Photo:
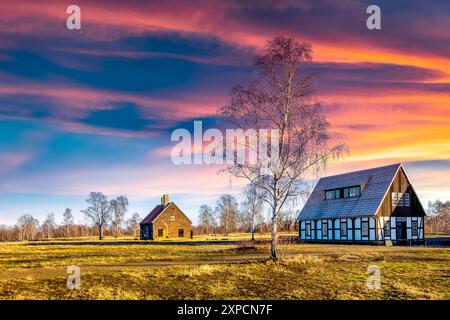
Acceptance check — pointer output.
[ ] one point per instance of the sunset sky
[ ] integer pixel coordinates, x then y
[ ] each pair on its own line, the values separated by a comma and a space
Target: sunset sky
93, 109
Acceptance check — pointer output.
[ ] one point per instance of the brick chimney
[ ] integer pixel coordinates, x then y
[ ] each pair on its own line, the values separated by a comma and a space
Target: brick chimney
165, 199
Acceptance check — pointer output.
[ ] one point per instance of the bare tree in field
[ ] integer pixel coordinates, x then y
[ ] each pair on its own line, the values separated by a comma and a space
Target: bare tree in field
253, 204
438, 219
67, 221
133, 224
27, 227
227, 211
206, 218
99, 211
282, 100
119, 207
48, 226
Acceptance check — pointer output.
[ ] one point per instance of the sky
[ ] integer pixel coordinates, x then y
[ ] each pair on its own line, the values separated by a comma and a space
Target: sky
93, 109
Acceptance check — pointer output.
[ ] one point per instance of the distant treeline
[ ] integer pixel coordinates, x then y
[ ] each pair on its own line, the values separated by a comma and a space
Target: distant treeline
228, 216
438, 218
103, 217
29, 228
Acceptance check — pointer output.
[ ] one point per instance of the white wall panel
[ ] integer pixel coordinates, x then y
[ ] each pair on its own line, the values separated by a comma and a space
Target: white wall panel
371, 222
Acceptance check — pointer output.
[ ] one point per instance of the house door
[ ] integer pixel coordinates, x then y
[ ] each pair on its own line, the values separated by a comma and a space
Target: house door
401, 230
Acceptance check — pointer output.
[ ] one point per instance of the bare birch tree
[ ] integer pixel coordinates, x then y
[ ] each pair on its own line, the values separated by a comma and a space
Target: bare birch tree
282, 100
206, 218
99, 211
253, 204
119, 207
27, 227
67, 221
133, 224
48, 227
227, 211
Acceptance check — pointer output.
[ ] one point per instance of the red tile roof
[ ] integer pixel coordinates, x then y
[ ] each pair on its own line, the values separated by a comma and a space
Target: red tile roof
153, 214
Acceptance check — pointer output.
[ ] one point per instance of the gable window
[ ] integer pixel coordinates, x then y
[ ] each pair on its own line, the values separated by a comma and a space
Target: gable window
414, 228
406, 200
172, 218
181, 233
325, 229
401, 199
308, 229
387, 229
160, 233
394, 199
343, 228
365, 228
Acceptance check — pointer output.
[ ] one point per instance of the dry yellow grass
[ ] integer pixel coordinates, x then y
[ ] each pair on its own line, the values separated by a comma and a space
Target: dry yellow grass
222, 272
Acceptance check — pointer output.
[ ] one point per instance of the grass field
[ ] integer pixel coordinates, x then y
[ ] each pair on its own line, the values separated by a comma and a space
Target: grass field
222, 272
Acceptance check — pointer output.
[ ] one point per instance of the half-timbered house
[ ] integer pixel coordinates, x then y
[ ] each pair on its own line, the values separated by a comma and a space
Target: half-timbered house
377, 205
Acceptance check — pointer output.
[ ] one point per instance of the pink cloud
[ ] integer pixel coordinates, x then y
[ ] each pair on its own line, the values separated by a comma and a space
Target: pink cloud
12, 160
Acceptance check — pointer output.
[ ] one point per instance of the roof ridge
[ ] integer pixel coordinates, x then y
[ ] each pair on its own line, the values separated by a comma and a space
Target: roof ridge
359, 171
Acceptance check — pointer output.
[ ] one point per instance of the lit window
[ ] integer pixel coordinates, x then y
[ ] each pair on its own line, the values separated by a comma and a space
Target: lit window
343, 228
172, 218
394, 199
414, 228
387, 229
365, 228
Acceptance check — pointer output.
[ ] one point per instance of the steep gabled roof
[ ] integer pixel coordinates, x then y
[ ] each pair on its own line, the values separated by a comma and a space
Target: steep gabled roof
157, 211
153, 214
374, 184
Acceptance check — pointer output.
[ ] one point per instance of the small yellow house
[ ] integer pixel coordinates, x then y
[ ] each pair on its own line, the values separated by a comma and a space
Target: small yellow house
165, 221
